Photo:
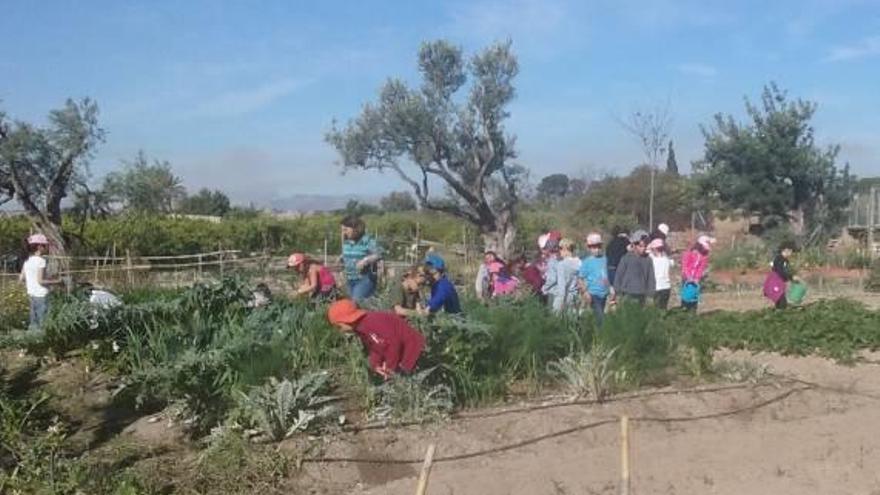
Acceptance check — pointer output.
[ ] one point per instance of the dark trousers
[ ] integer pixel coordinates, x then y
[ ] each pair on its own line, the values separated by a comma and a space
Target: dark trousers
611, 271
782, 303
689, 306
597, 304
661, 298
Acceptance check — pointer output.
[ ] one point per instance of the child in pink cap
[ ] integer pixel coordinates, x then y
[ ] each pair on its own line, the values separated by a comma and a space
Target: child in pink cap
502, 283
33, 274
693, 268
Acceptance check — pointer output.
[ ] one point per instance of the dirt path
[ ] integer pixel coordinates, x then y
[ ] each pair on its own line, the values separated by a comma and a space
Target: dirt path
802, 439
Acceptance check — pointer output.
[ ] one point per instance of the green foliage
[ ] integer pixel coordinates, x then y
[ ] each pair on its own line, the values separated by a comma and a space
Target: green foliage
206, 202
145, 187
283, 408
872, 284
14, 307
590, 373
836, 329
643, 346
772, 167
405, 399
397, 201
553, 187
232, 465
625, 198
435, 131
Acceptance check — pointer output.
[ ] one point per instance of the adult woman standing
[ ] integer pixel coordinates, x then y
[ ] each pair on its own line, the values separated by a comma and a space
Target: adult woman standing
360, 257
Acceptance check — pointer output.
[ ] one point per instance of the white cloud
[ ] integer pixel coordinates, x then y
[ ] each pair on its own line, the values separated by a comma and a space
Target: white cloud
699, 70
247, 100
866, 47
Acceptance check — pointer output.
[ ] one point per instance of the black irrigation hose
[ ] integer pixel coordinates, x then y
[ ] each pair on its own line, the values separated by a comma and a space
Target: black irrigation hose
576, 429
829, 388
553, 405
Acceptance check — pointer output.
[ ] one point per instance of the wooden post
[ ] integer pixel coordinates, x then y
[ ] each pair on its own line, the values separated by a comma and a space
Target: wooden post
129, 276
624, 455
422, 487
872, 219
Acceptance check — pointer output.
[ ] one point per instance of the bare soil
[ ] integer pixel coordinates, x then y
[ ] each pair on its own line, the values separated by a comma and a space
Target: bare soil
779, 436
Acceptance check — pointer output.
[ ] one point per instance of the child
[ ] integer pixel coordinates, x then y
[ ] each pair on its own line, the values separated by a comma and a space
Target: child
780, 275
502, 283
317, 281
392, 345
410, 291
550, 255
694, 263
33, 274
617, 248
443, 293
635, 273
563, 295
482, 285
662, 265
594, 283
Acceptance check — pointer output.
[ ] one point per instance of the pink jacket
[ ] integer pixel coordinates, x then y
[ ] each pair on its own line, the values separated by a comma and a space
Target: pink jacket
693, 266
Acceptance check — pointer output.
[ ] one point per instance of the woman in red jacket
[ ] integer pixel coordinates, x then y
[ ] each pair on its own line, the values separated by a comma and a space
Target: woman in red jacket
393, 346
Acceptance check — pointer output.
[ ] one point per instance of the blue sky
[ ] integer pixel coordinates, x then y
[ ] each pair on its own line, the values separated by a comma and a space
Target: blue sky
238, 95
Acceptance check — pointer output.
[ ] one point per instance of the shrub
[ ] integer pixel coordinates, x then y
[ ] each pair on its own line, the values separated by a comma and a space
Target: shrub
590, 373
643, 345
404, 399
14, 307
282, 408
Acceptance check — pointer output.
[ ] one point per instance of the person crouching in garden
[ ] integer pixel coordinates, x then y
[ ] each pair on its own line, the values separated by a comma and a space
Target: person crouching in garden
392, 345
694, 263
662, 267
594, 283
443, 293
411, 291
360, 256
634, 280
33, 274
317, 281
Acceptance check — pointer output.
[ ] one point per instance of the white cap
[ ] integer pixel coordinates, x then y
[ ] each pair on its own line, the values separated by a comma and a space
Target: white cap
38, 239
663, 228
542, 240
594, 238
706, 241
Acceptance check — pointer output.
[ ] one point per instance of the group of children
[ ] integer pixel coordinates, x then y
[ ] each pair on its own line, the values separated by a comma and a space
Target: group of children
634, 267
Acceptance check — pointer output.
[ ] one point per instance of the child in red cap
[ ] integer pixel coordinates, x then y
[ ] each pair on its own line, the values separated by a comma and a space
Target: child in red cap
391, 343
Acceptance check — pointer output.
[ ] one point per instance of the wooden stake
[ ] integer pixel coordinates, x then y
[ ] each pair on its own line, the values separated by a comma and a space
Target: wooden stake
624, 455
422, 487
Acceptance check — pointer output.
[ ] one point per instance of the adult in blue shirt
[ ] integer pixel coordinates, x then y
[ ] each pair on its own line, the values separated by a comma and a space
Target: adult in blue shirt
360, 258
594, 283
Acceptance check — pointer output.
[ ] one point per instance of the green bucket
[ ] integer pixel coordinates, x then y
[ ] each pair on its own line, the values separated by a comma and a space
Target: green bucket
796, 293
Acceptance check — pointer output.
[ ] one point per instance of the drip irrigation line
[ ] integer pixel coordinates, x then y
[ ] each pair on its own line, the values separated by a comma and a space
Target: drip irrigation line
567, 431
829, 388
560, 404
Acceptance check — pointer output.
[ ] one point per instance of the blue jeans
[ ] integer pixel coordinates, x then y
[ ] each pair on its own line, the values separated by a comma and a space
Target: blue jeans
38, 308
598, 305
361, 288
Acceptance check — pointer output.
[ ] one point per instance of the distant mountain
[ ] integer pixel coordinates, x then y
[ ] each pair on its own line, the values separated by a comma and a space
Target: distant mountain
318, 202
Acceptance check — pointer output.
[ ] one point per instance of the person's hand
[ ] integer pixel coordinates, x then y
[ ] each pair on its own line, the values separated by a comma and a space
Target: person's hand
361, 264
383, 371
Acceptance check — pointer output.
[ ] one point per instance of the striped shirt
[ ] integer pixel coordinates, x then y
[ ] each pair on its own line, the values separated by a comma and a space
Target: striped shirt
354, 251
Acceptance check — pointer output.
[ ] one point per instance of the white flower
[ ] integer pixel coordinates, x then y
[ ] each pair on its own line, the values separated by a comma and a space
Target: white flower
115, 346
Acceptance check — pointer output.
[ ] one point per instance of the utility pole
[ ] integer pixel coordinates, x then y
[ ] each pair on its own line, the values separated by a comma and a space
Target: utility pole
872, 221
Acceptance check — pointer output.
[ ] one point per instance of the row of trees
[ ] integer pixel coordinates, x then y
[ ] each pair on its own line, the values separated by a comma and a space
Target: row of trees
448, 134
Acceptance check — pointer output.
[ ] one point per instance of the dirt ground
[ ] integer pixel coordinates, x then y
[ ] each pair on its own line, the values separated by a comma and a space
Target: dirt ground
778, 436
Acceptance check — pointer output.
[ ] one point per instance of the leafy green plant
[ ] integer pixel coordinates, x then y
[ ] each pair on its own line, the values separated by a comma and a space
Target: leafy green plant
590, 373
13, 307
741, 370
282, 408
404, 399
644, 348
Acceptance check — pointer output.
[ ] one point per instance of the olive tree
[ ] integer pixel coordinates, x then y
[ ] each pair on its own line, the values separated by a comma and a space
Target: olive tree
429, 135
39, 165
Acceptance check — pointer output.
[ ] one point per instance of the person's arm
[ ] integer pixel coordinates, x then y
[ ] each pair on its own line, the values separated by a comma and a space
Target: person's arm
311, 283
621, 272
550, 279
652, 280
372, 258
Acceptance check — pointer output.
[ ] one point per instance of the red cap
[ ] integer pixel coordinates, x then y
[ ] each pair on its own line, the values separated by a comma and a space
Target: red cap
344, 311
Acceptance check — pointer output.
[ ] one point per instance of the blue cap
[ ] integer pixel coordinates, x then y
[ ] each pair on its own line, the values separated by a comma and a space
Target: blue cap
435, 262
